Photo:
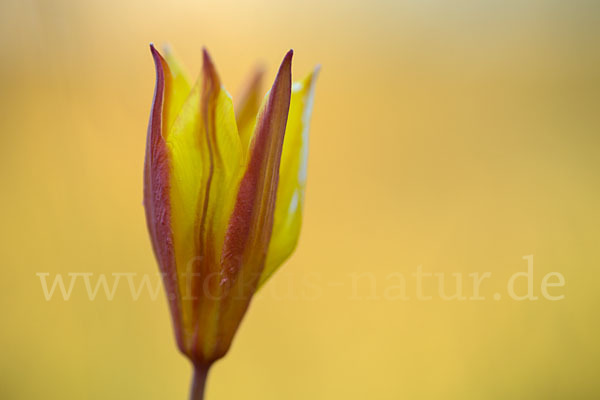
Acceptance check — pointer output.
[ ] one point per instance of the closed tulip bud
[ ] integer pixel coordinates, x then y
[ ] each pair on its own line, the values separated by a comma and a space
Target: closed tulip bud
223, 194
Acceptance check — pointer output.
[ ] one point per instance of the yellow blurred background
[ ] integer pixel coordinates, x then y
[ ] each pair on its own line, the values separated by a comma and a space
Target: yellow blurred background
456, 136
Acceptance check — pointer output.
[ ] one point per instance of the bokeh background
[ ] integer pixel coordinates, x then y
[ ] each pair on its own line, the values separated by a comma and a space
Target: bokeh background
455, 135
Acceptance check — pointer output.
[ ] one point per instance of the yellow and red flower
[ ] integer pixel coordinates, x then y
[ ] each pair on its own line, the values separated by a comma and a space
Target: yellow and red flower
223, 193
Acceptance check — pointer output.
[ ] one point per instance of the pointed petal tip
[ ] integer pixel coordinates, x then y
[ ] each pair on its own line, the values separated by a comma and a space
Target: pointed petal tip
283, 80
166, 48
313, 75
158, 58
256, 78
206, 59
155, 53
316, 70
288, 57
259, 71
286, 67
208, 66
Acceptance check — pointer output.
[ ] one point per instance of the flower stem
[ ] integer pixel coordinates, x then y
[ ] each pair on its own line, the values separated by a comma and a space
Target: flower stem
199, 382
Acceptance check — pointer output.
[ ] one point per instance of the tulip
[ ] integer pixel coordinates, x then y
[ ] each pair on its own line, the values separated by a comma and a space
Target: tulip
223, 195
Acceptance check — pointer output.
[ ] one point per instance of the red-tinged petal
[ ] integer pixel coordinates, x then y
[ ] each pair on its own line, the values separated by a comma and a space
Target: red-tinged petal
157, 188
250, 226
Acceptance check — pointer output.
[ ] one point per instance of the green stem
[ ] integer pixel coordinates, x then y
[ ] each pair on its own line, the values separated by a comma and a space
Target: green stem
199, 382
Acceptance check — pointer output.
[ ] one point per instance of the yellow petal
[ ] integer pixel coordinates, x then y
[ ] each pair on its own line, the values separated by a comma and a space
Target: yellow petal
207, 163
292, 176
246, 108
179, 88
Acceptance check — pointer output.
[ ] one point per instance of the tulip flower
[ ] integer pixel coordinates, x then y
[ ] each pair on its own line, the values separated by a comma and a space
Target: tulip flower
223, 194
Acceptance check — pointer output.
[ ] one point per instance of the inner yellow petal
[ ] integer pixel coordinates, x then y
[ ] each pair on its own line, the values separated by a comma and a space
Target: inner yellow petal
292, 177
178, 89
207, 164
